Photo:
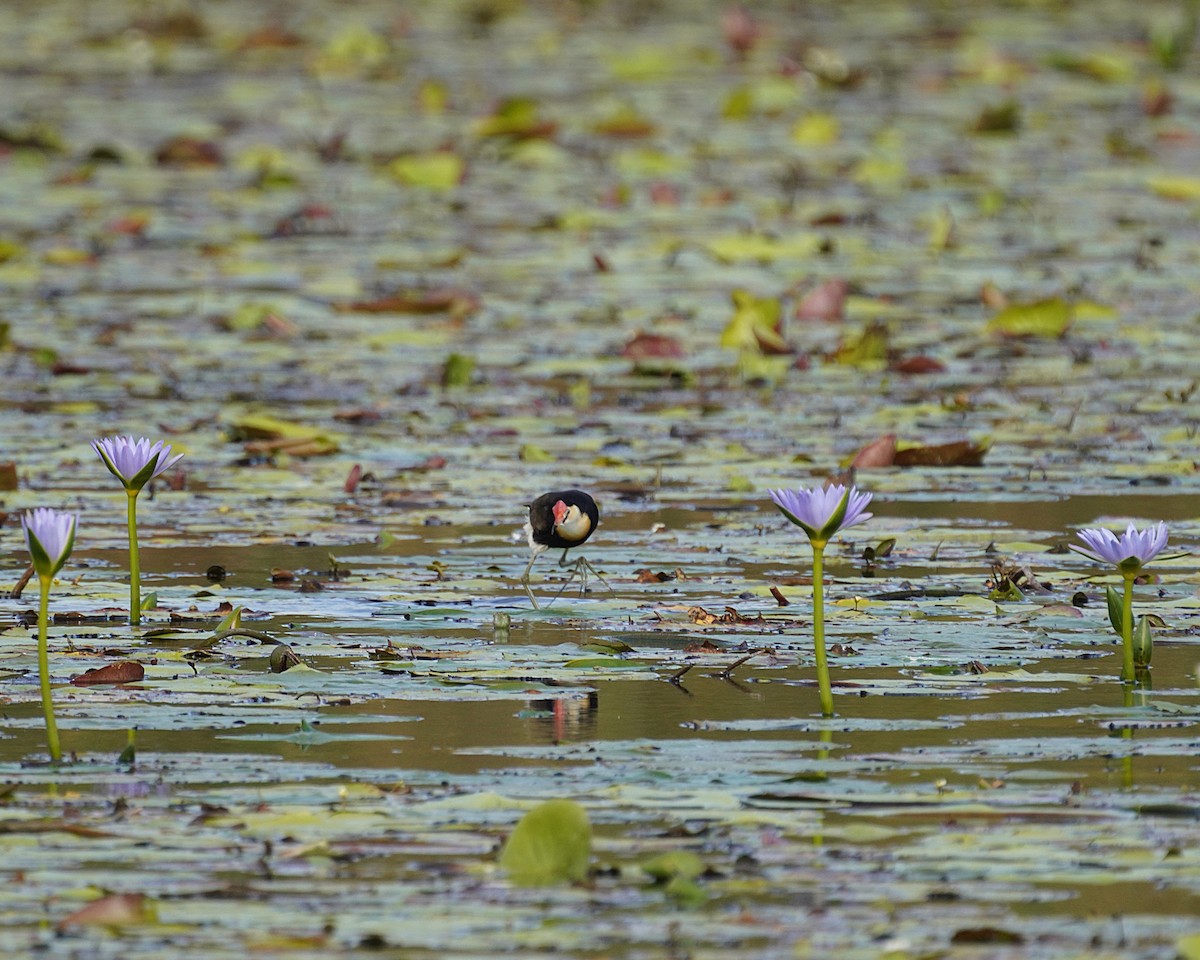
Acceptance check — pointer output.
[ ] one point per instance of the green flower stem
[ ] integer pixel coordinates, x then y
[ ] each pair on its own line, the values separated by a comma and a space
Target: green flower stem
1127, 670
823, 685
135, 578
44, 670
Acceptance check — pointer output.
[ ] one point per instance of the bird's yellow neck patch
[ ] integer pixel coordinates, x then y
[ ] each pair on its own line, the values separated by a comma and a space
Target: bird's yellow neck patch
575, 524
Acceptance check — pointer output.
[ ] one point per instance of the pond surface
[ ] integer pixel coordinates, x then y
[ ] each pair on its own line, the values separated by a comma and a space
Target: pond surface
386, 274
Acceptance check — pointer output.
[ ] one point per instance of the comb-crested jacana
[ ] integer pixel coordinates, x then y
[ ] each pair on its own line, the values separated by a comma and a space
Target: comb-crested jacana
561, 518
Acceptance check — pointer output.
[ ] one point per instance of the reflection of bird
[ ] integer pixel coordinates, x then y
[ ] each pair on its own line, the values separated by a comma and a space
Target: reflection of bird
563, 518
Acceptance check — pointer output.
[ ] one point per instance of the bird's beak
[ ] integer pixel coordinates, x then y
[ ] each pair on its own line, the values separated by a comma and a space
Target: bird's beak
560, 512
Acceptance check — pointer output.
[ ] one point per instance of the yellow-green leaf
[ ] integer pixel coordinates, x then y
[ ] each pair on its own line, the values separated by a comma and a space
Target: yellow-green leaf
816, 130
551, 844
742, 247
439, 170
1045, 318
1175, 187
754, 324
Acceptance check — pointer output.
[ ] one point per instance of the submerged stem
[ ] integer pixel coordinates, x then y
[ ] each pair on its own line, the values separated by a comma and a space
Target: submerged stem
135, 583
43, 653
823, 685
1127, 668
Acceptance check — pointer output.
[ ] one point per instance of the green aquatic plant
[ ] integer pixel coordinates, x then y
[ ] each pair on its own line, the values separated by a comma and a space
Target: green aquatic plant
821, 512
50, 537
135, 463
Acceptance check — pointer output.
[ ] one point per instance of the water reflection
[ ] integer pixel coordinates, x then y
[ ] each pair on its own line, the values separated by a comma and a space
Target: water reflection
564, 719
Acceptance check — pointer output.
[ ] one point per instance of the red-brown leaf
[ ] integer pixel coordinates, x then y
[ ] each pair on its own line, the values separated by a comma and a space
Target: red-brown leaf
112, 911
439, 300
826, 302
877, 453
186, 151
919, 364
653, 346
960, 453
127, 671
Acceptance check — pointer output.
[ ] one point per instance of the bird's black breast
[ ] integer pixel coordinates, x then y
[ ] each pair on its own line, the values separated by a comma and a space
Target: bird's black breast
541, 517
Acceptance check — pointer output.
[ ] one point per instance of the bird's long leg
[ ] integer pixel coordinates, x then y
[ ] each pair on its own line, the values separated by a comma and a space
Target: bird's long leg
525, 579
562, 562
579, 568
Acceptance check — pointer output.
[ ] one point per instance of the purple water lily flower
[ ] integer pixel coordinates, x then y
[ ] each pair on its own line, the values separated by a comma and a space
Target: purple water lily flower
823, 511
135, 462
1127, 552
50, 537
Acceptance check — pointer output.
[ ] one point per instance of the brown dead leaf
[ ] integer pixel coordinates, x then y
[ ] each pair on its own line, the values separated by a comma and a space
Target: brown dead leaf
359, 415
114, 910
52, 825
959, 453
271, 37
986, 935
992, 296
779, 597
646, 575
312, 218
919, 364
704, 646
66, 368
456, 302
652, 346
184, 151
826, 302
8, 475
664, 194
878, 453
729, 617
740, 30
127, 671
432, 462
292, 446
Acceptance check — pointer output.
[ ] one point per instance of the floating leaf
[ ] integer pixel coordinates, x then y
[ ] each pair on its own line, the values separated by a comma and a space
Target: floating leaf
816, 130
551, 844
1179, 187
114, 910
1003, 117
753, 247
826, 302
532, 453
869, 348
674, 863
653, 346
1105, 66
128, 671
626, 122
1046, 318
880, 452
439, 170
515, 117
959, 453
354, 49
458, 370
755, 324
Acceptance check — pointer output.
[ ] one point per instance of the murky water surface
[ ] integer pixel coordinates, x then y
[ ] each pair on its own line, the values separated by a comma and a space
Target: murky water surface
386, 273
